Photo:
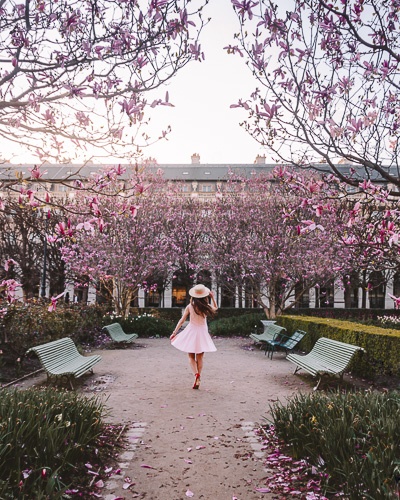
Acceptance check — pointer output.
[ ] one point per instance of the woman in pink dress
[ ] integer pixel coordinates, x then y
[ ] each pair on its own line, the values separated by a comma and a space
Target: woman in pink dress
195, 339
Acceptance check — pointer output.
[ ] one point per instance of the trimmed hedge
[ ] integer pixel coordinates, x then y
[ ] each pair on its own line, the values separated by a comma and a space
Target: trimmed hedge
175, 313
382, 345
239, 325
144, 325
343, 313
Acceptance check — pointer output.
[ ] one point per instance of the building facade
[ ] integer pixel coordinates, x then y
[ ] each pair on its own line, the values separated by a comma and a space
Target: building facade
203, 181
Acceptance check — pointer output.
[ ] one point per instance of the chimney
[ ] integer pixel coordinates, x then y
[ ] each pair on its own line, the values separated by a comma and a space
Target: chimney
195, 159
260, 160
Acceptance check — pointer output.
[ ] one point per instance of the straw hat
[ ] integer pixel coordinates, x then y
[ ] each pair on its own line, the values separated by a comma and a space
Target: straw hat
199, 291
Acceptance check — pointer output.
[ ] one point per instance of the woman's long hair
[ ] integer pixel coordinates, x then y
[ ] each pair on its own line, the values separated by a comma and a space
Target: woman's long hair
202, 307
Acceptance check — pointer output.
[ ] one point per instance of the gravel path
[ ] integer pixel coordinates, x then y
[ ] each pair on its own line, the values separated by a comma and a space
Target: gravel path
183, 443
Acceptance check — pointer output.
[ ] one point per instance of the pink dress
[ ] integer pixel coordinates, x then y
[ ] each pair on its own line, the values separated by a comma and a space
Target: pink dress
195, 337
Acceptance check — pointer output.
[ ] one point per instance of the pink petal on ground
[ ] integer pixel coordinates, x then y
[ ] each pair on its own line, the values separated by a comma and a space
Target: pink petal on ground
89, 466
189, 416
200, 447
189, 449
126, 486
108, 469
189, 494
263, 490
99, 484
188, 461
145, 466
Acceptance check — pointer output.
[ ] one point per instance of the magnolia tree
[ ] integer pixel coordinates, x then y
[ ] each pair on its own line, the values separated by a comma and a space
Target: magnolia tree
328, 80
186, 222
273, 241
74, 75
24, 246
124, 246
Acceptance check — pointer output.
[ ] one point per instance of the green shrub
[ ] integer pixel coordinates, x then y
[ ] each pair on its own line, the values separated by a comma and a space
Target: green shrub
31, 324
44, 436
238, 325
144, 325
381, 344
354, 437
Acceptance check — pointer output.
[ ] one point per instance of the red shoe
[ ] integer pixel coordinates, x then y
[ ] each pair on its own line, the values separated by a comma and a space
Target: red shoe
196, 384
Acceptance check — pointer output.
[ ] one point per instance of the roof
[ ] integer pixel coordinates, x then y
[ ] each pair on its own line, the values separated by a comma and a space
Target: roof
191, 172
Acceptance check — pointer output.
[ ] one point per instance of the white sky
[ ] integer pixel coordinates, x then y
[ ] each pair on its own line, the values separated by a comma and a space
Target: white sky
202, 121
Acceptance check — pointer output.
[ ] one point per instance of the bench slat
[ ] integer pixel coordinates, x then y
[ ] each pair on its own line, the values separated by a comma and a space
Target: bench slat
270, 330
326, 357
117, 333
284, 341
62, 358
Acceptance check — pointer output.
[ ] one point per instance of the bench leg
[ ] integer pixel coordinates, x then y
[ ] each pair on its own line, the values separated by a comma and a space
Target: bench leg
319, 381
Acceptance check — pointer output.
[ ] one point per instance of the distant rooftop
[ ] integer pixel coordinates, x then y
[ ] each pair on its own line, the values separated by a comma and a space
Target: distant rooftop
194, 171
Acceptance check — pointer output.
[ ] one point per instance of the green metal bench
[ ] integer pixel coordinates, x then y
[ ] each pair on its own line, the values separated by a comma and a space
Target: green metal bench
61, 358
270, 330
286, 342
327, 357
118, 335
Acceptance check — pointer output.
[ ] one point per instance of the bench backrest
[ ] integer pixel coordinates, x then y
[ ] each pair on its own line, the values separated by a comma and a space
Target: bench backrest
294, 339
62, 349
335, 352
114, 328
267, 322
274, 329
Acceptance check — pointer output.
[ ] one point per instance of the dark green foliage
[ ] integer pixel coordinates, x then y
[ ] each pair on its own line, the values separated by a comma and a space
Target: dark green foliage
144, 325
354, 437
27, 325
238, 325
358, 315
45, 435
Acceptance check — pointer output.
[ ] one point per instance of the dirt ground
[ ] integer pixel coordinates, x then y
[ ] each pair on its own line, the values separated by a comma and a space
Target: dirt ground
184, 443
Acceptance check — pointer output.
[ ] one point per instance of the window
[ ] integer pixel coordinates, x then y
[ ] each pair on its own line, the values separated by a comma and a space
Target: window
376, 290
324, 297
153, 298
206, 188
351, 288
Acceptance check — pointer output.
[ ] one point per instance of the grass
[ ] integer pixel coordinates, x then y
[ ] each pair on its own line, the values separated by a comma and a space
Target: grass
353, 437
48, 438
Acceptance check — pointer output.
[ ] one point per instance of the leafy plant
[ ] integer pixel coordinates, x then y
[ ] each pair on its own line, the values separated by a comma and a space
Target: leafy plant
44, 436
145, 325
352, 436
26, 325
239, 325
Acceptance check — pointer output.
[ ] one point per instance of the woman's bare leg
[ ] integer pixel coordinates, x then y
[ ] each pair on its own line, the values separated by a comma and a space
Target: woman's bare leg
192, 362
199, 362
